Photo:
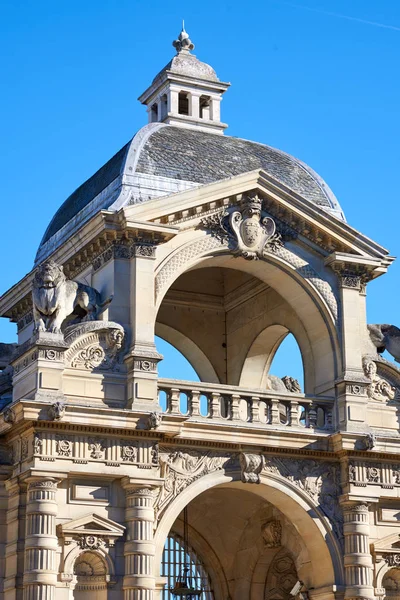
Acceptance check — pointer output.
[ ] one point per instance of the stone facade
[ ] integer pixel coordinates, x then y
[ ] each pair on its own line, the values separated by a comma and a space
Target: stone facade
283, 486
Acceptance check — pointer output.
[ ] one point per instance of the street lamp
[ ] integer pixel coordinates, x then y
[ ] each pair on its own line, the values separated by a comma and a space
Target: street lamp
185, 584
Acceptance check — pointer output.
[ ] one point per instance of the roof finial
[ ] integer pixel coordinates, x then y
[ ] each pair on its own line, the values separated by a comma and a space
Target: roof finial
183, 43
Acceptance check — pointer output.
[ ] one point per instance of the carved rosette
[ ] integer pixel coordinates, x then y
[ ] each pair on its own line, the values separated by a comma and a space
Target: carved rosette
95, 346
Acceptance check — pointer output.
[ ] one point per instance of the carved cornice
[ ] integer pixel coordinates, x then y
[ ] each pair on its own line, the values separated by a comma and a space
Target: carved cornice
289, 223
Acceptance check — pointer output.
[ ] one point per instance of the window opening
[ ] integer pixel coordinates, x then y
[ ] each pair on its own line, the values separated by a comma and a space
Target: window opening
172, 563
183, 103
154, 113
164, 106
205, 107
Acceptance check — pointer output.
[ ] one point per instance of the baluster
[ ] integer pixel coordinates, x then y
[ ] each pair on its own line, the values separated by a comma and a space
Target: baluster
329, 418
194, 403
167, 400
215, 412
175, 400
312, 416
255, 409
235, 415
274, 420
294, 413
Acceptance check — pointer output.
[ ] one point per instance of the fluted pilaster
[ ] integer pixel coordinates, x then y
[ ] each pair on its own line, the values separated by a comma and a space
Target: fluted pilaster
139, 580
40, 576
357, 558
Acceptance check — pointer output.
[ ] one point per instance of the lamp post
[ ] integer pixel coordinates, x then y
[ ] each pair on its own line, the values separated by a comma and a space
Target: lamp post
185, 584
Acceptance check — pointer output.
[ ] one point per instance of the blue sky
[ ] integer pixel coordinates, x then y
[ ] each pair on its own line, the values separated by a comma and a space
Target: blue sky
318, 79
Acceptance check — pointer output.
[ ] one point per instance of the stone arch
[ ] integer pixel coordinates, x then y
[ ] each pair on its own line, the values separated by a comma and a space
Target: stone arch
310, 297
314, 529
391, 583
90, 576
262, 351
74, 554
190, 350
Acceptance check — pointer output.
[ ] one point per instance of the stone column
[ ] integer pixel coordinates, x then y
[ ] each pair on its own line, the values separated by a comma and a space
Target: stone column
352, 384
139, 579
357, 557
40, 575
143, 357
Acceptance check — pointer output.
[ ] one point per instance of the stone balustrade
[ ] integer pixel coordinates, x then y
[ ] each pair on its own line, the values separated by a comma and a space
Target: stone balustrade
239, 405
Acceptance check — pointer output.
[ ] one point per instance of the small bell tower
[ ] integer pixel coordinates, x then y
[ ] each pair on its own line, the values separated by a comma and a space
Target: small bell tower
187, 92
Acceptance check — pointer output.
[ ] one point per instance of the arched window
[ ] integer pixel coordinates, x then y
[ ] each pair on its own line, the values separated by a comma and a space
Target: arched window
173, 560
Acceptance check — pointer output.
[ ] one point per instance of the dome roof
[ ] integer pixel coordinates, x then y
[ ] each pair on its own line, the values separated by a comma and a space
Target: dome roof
189, 66
162, 160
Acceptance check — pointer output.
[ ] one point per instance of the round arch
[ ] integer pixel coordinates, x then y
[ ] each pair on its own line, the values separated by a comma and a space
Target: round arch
263, 349
315, 531
186, 346
76, 551
317, 336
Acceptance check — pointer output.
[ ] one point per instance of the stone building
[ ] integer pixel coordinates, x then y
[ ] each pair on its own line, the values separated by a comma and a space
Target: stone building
221, 246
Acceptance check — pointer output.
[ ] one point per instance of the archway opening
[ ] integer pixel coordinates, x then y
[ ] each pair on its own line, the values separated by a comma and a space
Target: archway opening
229, 325
250, 548
288, 361
176, 366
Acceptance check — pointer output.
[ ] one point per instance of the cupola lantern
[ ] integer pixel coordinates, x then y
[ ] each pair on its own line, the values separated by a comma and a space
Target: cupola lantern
187, 92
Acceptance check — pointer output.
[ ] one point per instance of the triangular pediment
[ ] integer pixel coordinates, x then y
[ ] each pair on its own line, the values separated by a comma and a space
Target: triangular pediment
388, 544
92, 524
307, 219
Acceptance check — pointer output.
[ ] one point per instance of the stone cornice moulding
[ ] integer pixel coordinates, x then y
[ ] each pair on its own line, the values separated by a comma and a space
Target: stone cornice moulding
168, 206
89, 242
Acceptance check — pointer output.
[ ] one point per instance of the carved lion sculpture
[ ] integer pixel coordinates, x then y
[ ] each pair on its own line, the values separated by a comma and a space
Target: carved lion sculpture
55, 298
386, 337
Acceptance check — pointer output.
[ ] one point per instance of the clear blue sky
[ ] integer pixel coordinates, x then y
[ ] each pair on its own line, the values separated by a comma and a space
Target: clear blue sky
318, 79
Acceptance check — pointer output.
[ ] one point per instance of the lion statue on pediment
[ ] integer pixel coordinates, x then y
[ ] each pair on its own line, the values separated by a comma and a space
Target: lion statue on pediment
55, 298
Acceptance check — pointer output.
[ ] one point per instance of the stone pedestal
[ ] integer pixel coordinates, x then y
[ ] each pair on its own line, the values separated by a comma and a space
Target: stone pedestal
139, 580
40, 576
357, 556
39, 369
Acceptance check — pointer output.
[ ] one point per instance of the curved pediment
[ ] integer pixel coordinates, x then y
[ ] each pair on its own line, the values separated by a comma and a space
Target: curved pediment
95, 346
